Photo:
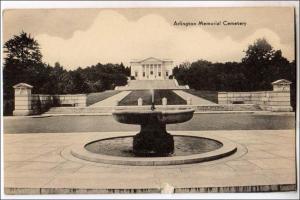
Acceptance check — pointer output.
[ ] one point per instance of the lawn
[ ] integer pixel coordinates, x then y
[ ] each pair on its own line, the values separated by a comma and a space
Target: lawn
208, 95
132, 98
99, 96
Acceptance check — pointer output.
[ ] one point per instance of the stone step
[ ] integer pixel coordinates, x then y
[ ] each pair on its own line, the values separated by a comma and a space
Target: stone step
151, 84
109, 109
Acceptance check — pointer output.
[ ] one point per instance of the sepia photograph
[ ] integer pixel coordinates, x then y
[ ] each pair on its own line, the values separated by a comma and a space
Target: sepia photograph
149, 100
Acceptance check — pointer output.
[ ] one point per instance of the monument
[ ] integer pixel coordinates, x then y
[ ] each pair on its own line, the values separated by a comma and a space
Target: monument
151, 69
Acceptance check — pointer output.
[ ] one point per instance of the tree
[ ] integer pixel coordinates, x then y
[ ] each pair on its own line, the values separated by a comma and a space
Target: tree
261, 52
22, 49
180, 72
262, 65
22, 63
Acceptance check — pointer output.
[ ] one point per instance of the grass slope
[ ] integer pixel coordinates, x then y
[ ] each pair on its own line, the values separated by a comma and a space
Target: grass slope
131, 99
99, 96
208, 95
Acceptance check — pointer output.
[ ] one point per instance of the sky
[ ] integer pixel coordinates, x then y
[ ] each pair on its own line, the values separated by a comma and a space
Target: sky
84, 37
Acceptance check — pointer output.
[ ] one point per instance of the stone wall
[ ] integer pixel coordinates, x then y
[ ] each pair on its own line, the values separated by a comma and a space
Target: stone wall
76, 100
42, 102
267, 100
277, 100
27, 103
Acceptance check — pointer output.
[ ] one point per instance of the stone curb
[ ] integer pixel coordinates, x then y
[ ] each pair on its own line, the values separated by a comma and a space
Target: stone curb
227, 149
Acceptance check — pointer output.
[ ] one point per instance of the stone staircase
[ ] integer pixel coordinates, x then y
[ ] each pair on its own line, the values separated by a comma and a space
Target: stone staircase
151, 84
109, 109
78, 110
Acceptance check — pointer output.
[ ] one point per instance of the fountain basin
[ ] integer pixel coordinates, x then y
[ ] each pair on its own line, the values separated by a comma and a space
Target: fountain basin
153, 139
117, 156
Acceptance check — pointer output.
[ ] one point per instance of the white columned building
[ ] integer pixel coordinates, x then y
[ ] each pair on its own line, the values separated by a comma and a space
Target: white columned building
151, 69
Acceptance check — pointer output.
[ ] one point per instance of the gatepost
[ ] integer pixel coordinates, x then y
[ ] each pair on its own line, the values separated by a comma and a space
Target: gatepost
22, 99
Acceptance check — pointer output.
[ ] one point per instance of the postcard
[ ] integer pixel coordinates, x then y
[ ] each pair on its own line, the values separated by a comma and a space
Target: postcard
149, 100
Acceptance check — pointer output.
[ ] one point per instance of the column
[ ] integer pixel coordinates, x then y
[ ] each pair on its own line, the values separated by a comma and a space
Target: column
162, 72
148, 71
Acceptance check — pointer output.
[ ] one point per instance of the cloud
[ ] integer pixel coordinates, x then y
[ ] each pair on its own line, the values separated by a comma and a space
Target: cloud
113, 38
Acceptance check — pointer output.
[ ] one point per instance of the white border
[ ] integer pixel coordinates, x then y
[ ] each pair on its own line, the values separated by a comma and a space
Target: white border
144, 4
140, 4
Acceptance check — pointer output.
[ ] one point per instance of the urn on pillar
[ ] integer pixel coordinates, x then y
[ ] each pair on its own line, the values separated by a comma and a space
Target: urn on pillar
22, 99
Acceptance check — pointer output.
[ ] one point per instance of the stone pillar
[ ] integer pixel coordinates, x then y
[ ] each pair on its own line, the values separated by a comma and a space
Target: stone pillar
279, 98
164, 101
140, 101
189, 101
22, 99
281, 85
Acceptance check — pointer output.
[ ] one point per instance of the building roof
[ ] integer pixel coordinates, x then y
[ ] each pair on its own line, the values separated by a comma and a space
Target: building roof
150, 59
281, 82
22, 85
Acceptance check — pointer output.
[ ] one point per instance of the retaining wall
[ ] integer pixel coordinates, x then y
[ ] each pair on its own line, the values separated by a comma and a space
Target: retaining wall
39, 103
267, 100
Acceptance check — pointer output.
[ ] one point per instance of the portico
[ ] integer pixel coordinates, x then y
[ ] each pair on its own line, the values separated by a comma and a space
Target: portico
151, 69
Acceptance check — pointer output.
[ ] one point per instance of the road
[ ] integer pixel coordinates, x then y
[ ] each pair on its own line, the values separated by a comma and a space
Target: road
65, 124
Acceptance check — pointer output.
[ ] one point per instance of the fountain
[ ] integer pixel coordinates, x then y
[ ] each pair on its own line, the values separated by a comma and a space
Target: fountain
153, 139
153, 145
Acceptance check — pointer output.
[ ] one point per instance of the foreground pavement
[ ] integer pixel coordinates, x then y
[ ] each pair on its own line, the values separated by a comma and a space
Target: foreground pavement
41, 164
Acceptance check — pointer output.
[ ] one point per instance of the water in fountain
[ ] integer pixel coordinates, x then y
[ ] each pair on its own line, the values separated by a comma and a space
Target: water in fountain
183, 146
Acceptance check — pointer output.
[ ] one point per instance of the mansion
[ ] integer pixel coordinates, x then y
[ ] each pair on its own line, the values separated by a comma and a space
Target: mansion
151, 69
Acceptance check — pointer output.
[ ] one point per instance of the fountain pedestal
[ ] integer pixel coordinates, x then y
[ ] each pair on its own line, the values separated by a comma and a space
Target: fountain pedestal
153, 139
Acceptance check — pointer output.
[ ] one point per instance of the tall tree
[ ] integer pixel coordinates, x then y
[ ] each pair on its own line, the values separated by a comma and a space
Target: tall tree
22, 49
22, 63
262, 64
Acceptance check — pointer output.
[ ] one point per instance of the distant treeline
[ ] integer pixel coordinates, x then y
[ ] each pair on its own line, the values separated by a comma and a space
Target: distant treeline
56, 80
23, 63
258, 69
260, 66
232, 76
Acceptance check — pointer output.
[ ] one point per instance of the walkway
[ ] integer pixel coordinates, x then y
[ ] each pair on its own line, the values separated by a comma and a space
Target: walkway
111, 101
195, 100
46, 166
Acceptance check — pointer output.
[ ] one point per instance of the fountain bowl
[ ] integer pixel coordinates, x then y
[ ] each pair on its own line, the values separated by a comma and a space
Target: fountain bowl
162, 116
